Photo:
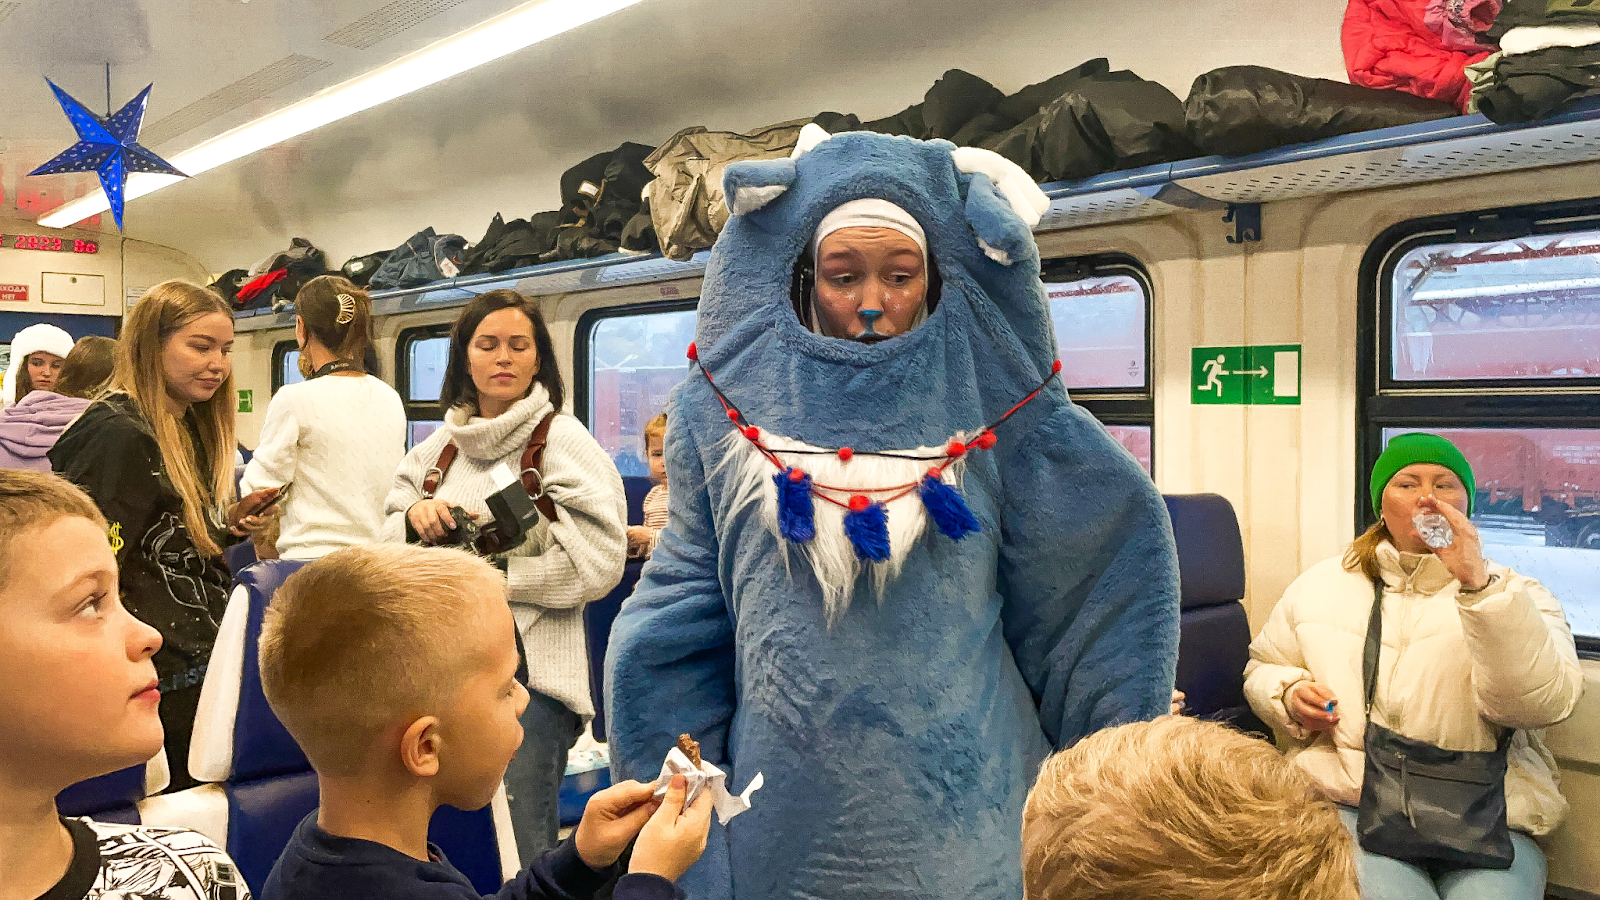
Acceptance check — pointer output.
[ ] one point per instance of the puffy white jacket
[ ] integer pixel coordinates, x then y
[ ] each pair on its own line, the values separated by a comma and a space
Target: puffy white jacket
1453, 669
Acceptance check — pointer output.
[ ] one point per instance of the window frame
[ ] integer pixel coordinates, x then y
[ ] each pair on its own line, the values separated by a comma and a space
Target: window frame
416, 410
1117, 406
280, 351
1385, 402
583, 337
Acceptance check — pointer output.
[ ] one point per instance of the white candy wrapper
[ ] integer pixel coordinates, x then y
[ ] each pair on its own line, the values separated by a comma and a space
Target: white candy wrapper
707, 777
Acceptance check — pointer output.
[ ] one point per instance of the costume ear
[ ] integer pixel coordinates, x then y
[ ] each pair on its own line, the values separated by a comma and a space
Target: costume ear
752, 184
1001, 234
810, 136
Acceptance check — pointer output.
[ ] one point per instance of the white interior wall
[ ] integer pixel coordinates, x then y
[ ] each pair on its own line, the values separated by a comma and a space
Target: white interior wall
123, 265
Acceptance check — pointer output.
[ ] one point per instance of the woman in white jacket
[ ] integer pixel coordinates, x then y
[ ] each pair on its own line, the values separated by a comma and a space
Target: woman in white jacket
500, 383
1469, 647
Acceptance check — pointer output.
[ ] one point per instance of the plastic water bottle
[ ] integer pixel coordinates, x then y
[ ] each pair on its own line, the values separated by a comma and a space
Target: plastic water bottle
1435, 530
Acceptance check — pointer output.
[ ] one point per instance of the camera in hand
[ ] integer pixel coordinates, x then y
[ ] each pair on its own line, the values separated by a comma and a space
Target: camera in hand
513, 512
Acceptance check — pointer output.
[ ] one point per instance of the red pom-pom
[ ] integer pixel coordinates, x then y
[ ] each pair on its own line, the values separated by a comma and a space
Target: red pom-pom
985, 440
936, 473
694, 353
845, 453
955, 448
1055, 367
752, 433
859, 503
796, 476
733, 415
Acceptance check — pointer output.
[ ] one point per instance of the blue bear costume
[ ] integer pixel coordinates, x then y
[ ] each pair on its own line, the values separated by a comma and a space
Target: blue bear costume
898, 733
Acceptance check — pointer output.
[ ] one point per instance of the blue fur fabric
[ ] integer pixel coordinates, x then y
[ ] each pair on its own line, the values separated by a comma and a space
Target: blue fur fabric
947, 510
898, 745
868, 531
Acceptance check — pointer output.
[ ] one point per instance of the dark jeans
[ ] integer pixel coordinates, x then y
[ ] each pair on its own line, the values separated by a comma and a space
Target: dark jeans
533, 780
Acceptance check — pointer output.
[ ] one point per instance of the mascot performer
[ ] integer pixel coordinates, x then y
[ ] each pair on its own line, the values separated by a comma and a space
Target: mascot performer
901, 567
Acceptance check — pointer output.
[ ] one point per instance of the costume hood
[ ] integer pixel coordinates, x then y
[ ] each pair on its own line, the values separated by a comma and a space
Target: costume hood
28, 341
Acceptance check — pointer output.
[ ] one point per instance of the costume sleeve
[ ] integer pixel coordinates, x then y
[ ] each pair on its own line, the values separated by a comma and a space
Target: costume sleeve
585, 549
1277, 664
277, 456
1524, 663
670, 662
1089, 577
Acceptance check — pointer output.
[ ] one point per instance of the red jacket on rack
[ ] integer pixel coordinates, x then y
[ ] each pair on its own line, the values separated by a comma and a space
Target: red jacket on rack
1387, 45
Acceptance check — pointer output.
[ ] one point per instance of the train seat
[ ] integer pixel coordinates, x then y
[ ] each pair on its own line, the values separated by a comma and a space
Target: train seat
115, 797
1215, 640
598, 616
262, 786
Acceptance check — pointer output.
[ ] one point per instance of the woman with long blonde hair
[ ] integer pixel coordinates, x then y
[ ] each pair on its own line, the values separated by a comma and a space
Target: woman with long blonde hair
156, 454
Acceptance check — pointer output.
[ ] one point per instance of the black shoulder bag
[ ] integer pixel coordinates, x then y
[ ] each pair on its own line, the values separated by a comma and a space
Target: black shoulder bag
1424, 804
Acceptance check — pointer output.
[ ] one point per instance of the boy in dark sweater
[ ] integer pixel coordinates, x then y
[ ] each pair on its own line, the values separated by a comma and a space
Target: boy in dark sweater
394, 668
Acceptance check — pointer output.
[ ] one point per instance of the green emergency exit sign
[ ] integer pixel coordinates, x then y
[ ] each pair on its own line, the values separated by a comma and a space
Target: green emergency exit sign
247, 401
1266, 375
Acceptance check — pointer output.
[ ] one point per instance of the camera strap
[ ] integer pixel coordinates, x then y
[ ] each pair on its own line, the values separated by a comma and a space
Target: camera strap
532, 463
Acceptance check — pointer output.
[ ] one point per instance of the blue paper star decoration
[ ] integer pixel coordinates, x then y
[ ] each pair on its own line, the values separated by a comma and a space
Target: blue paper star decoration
109, 147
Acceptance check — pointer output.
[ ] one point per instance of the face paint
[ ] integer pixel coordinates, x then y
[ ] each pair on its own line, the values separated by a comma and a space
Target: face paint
871, 284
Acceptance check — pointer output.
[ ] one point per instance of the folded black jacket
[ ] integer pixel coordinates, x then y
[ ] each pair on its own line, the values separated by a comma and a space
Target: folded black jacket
1532, 86
1240, 110
1526, 13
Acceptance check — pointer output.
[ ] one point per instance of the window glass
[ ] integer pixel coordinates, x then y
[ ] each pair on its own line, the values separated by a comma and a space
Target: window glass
1137, 440
1523, 308
1100, 324
634, 363
418, 431
425, 362
1538, 508
289, 368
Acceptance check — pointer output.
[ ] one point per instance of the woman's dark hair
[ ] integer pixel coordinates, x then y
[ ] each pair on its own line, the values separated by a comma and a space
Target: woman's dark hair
338, 314
458, 389
87, 368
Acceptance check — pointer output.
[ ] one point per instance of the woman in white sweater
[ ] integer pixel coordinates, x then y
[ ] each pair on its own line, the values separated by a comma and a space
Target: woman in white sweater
332, 442
1469, 648
501, 382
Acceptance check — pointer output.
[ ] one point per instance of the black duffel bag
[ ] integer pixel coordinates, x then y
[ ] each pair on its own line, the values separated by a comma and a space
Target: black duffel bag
1425, 804
1240, 110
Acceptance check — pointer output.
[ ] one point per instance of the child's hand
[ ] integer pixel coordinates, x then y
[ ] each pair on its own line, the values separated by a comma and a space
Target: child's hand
611, 819
675, 837
639, 538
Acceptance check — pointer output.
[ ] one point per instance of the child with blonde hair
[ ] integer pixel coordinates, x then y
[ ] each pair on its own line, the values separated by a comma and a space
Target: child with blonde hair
78, 698
642, 539
1180, 809
394, 667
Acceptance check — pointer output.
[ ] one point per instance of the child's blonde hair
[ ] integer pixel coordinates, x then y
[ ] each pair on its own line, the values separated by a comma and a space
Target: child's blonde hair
30, 501
363, 637
656, 427
1181, 809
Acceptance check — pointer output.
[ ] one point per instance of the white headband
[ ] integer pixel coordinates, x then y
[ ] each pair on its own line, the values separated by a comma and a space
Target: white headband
870, 213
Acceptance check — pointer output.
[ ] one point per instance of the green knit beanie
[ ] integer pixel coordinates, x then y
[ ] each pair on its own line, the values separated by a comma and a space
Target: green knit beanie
1408, 449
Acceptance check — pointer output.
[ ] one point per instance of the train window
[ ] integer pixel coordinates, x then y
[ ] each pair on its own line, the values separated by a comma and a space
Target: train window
1486, 329
1100, 306
421, 355
285, 364
628, 360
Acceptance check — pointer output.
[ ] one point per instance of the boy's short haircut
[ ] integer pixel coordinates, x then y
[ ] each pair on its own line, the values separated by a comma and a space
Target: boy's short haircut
656, 427
30, 501
1181, 808
362, 638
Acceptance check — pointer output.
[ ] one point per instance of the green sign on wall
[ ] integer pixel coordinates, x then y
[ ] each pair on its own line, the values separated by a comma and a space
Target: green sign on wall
247, 401
1266, 375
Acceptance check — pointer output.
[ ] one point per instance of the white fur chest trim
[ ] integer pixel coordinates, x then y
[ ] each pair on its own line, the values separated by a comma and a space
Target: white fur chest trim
830, 554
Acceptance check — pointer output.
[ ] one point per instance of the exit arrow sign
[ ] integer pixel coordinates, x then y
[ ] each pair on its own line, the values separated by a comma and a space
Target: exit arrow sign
1265, 375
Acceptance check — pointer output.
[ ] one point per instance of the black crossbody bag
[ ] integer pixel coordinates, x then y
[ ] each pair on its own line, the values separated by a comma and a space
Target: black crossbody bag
1425, 804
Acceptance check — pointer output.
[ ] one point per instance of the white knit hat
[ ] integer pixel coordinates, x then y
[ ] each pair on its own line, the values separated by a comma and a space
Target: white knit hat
30, 340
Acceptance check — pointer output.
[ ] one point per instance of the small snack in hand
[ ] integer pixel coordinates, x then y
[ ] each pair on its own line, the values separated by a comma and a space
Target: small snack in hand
690, 748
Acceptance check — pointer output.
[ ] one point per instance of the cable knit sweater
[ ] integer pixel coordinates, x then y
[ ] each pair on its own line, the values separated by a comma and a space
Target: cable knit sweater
560, 566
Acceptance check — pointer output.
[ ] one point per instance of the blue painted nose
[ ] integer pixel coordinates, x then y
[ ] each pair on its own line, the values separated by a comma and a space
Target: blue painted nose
871, 317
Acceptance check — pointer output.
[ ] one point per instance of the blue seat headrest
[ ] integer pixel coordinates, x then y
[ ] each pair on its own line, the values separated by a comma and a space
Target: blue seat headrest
262, 747
118, 789
1210, 549
636, 487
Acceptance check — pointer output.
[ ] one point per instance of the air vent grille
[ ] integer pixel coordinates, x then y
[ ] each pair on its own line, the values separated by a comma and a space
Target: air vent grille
387, 21
253, 87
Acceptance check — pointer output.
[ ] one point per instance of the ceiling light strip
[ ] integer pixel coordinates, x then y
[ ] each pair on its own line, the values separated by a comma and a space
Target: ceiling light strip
489, 40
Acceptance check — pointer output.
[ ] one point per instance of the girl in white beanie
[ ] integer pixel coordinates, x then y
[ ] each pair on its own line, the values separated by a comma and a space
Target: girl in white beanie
36, 356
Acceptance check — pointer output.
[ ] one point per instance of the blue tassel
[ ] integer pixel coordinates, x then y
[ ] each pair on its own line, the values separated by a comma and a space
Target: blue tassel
868, 531
796, 514
948, 511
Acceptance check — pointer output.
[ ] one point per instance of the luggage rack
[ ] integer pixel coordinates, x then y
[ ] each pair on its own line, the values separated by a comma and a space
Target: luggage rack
1458, 147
